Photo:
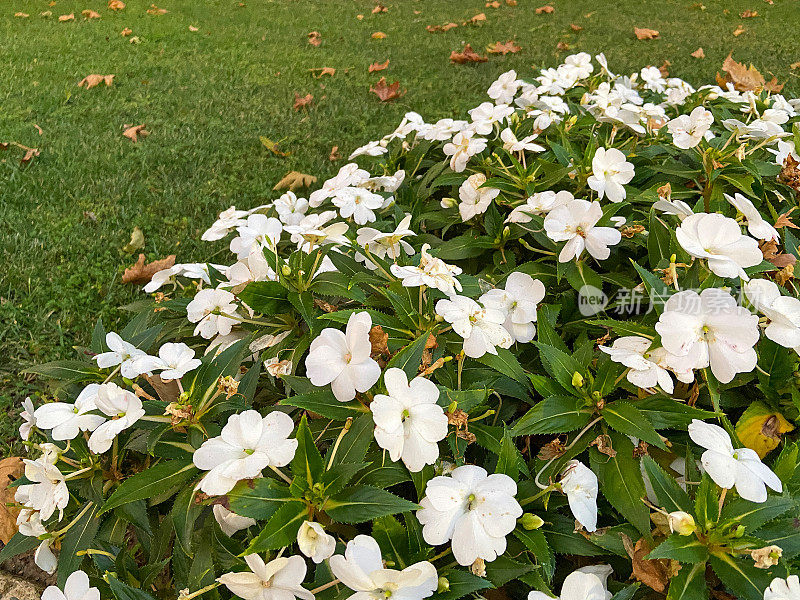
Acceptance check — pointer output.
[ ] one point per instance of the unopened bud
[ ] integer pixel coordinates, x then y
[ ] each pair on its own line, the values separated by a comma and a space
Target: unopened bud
681, 523
438, 318
449, 203
531, 521
577, 380
739, 531
286, 270
453, 406
442, 585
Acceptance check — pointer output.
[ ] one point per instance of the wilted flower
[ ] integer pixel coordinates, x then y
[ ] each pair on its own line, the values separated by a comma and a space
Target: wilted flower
314, 542
575, 223
279, 579
579, 483
610, 171
681, 522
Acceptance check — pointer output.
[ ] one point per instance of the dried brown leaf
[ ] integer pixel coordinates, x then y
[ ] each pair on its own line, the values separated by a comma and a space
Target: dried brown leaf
785, 221
302, 101
494, 4
272, 146
116, 5
699, 53
334, 155
21, 15
94, 80
738, 31
294, 180
479, 18
575, 27
90, 14
376, 66
378, 35
193, 29
65, 18
503, 47
544, 10
642, 33
10, 469
142, 272
795, 65
134, 132
126, 32
561, 46
467, 55
745, 78
320, 71
314, 38
379, 340
748, 14
385, 91
653, 573
380, 8
445, 27
154, 10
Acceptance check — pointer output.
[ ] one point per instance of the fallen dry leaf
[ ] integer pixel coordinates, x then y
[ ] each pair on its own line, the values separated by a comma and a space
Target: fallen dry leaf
561, 46
745, 78
738, 31
65, 18
376, 66
748, 14
511, 2
699, 53
30, 154
302, 101
664, 69
10, 469
467, 55
154, 10
494, 4
479, 18
378, 35
319, 72
445, 27
334, 155
193, 29
642, 33
294, 180
795, 65
272, 146
90, 14
385, 91
116, 5
378, 340
314, 38
94, 80
39, 129
126, 32
503, 47
785, 221
133, 132
21, 15
136, 242
46, 14
380, 8
770, 252
544, 10
575, 27
360, 17
653, 573
142, 272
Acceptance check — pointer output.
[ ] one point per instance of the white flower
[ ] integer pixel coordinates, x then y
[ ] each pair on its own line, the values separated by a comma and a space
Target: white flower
228, 220
247, 445
361, 569
387, 183
610, 171
518, 302
462, 148
474, 198
408, 421
174, 360
756, 224
279, 579
581, 64
482, 328
253, 268
719, 239
444, 129
314, 542
653, 80
473, 509
44, 558
343, 359
783, 589
512, 144
503, 90
28, 416
587, 583
29, 523
674, 207
120, 353
259, 231
348, 175
380, 244
190, 270
688, 130
68, 420
358, 203
206, 302
374, 148
432, 272
290, 208
759, 129
783, 312
312, 231
229, 522
76, 587
486, 115
709, 329
574, 223
124, 408
647, 368
579, 483
784, 151
740, 468
47, 490
539, 203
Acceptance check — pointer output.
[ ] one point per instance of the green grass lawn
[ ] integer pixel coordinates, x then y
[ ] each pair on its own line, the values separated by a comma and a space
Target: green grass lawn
207, 96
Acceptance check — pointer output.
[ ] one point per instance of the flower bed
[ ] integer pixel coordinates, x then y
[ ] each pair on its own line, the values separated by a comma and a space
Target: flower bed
551, 348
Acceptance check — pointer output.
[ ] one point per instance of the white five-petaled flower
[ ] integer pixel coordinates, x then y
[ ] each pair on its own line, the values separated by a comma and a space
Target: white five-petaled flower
709, 329
67, 420
228, 220
120, 353
473, 509
259, 231
208, 309
586, 583
756, 224
124, 409
229, 522
432, 271
174, 360
539, 203
189, 270
313, 231
385, 244
408, 421
361, 569
503, 90
518, 301
348, 175
647, 368
462, 148
482, 328
783, 589
688, 130
728, 467
610, 172
373, 148
486, 115
719, 239
248, 444
279, 579
76, 587
290, 208
575, 223
343, 358
579, 483
512, 144
47, 490
314, 542
474, 198
358, 203
28, 416
783, 312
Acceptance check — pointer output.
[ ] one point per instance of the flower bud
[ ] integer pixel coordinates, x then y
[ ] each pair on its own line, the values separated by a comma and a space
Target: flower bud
286, 270
681, 523
442, 585
449, 203
577, 380
531, 521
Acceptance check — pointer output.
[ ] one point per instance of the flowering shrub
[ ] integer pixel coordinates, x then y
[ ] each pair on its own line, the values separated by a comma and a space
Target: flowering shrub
549, 349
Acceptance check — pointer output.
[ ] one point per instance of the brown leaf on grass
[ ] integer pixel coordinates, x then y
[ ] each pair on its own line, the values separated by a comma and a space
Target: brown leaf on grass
10, 469
314, 38
154, 10
65, 18
21, 15
134, 132
193, 29
30, 154
445, 27
136, 242
494, 4
745, 78
664, 68
479, 18
334, 155
320, 71
379, 340
653, 573
378, 35
544, 10
699, 53
748, 14
46, 14
642, 33
503, 47
795, 65
272, 146
360, 17
39, 129
575, 27
302, 101
467, 55
785, 221
511, 2
294, 180
142, 272
376, 66
738, 31
126, 32
385, 91
94, 80
116, 5
561, 46
90, 14
380, 8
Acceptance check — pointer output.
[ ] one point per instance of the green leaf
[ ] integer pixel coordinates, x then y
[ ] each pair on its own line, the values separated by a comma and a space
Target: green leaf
391, 537
561, 366
507, 459
265, 297
506, 363
556, 414
740, 577
68, 371
184, 515
504, 569
338, 476
683, 548
17, 545
281, 529
355, 443
536, 543
658, 240
461, 584
364, 503
155, 481
258, 499
627, 419
464, 246
304, 304
656, 289
307, 461
627, 592
626, 327
79, 538
410, 357
753, 515
324, 403
122, 591
689, 583
669, 494
784, 533
666, 413
706, 508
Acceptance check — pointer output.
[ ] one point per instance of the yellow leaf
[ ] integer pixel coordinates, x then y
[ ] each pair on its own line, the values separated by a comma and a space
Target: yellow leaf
136, 243
294, 180
760, 428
